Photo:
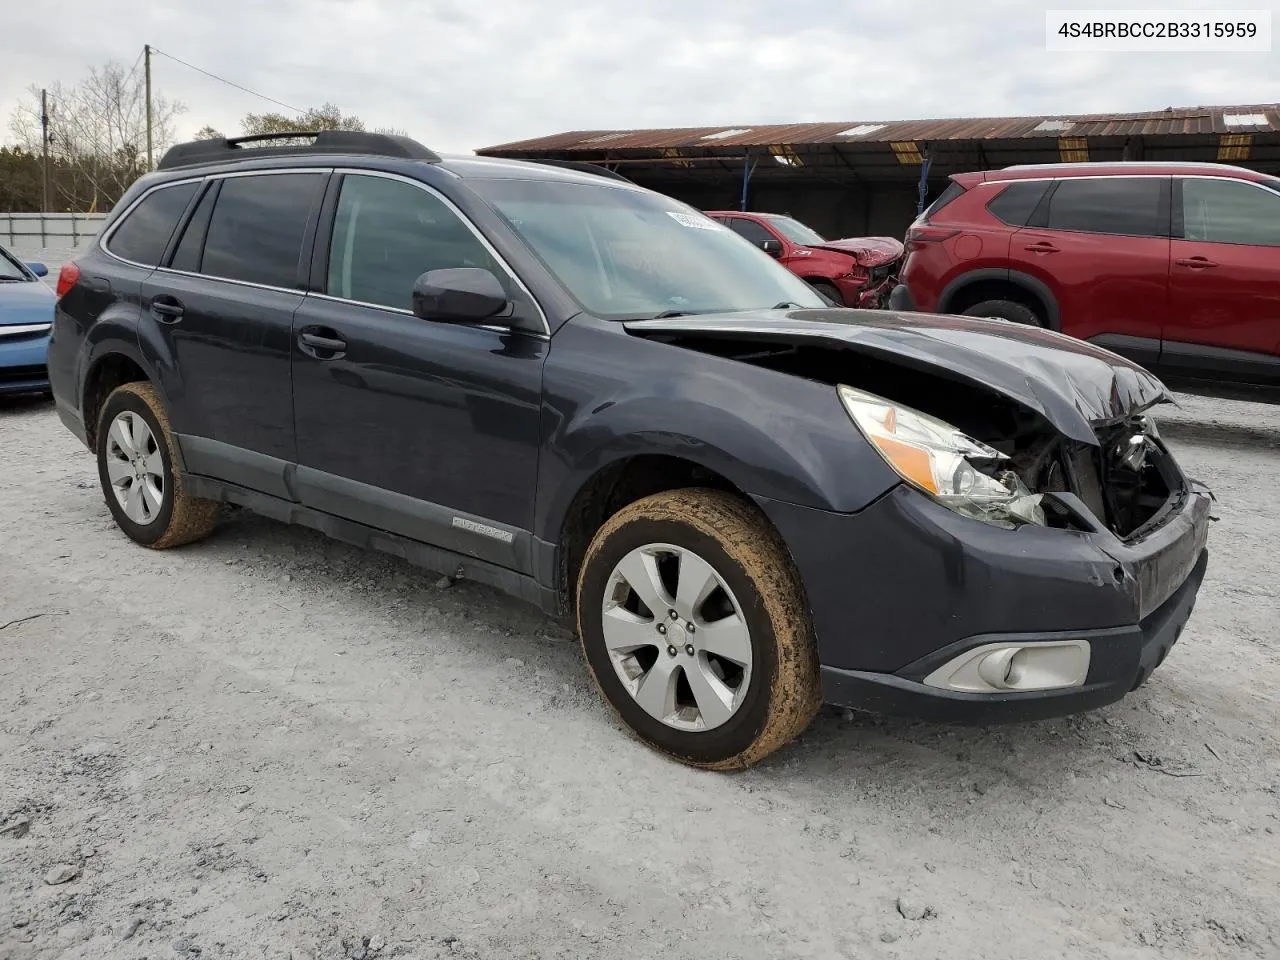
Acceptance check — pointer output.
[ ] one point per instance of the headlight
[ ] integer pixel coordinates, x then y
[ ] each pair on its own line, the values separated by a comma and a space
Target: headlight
959, 472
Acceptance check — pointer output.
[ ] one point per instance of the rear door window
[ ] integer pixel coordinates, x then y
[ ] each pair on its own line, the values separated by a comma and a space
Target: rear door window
255, 233
1131, 206
1017, 202
144, 232
1225, 211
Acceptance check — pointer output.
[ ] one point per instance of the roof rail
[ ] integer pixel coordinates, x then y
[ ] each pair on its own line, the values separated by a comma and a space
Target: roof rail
1093, 164
325, 141
583, 166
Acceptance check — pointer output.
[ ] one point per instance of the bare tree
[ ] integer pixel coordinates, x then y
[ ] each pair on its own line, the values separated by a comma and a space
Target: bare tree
208, 133
99, 132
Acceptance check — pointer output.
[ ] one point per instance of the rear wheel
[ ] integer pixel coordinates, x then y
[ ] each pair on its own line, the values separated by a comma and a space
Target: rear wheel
829, 291
1005, 310
136, 466
694, 624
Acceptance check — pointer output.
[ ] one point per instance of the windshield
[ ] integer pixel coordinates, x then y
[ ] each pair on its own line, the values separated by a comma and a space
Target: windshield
9, 267
628, 254
796, 232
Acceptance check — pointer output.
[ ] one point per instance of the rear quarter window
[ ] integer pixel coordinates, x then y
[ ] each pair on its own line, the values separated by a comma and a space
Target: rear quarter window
145, 230
953, 190
1016, 203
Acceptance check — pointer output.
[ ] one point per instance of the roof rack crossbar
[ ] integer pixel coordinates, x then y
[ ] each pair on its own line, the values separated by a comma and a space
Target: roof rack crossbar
232, 149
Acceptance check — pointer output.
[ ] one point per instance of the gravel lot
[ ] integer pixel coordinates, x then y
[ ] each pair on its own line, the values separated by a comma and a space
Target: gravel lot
272, 745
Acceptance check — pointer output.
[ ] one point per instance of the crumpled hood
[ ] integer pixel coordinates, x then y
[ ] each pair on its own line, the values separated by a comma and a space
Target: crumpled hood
25, 303
1074, 385
866, 251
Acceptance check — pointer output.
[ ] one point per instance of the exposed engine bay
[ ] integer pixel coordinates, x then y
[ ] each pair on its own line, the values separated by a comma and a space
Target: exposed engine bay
1127, 482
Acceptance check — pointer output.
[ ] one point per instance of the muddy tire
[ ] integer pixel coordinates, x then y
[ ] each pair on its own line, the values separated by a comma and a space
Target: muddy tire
724, 671
1005, 310
137, 461
829, 291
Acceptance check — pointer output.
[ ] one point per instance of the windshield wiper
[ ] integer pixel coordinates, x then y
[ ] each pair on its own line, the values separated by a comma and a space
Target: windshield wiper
785, 305
668, 314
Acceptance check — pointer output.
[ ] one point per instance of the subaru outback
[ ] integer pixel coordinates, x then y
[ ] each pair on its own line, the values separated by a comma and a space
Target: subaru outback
599, 400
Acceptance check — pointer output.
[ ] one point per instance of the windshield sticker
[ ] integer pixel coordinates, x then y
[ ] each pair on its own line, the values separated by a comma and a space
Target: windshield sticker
690, 220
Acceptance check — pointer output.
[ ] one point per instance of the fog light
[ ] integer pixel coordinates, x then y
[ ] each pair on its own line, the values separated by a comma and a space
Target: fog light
1013, 667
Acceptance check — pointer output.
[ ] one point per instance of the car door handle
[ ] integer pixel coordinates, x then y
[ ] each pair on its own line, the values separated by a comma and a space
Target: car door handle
1044, 246
167, 311
314, 344
1196, 263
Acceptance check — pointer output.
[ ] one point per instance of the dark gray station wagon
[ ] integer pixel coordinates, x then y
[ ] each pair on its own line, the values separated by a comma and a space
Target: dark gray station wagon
607, 404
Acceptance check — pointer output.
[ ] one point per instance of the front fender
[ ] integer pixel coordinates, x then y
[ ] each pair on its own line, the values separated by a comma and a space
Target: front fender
610, 397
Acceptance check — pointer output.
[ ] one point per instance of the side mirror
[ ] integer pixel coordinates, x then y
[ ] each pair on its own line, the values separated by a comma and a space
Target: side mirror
458, 295
39, 269
772, 247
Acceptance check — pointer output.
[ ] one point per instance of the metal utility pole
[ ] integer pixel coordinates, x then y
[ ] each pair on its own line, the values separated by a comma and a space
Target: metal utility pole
44, 142
146, 56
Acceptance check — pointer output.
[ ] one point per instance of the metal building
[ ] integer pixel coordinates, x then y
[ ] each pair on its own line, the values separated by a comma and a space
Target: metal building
851, 179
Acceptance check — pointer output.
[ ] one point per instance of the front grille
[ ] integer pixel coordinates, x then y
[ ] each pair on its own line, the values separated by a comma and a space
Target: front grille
30, 372
23, 332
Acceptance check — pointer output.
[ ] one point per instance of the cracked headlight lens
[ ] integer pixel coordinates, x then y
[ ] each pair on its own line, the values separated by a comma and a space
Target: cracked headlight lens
961, 473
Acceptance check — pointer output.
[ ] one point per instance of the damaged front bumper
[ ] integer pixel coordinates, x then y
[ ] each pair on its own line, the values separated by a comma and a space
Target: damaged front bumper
906, 592
867, 291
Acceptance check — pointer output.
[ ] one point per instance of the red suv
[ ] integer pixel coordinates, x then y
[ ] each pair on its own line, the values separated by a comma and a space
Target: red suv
851, 273
1176, 266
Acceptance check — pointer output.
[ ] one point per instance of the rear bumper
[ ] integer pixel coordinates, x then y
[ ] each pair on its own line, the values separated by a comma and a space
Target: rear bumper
1122, 660
905, 586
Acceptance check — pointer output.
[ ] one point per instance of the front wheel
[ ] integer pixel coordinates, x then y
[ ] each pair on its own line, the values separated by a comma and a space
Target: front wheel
1005, 310
829, 291
695, 627
136, 466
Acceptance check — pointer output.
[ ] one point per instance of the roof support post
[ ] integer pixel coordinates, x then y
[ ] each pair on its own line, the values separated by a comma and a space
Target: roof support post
747, 168
923, 186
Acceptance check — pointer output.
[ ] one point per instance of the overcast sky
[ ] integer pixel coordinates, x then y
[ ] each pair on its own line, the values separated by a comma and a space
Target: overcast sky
463, 74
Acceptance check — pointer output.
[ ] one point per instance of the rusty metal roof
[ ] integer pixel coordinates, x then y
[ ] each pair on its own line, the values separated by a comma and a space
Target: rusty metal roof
1174, 121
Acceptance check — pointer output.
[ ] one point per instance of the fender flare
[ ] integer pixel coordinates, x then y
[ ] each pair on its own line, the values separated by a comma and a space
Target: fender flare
108, 339
1017, 278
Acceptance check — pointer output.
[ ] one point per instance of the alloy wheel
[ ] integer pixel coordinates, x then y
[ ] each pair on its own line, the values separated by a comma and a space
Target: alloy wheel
676, 637
135, 467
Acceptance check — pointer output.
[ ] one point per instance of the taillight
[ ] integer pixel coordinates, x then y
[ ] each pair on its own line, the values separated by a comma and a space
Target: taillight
68, 276
918, 236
